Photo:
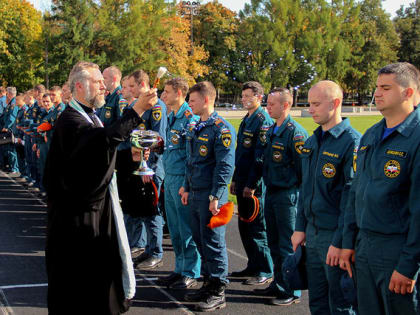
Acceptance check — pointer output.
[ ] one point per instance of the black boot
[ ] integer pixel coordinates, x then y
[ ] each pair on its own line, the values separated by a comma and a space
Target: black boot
200, 294
215, 298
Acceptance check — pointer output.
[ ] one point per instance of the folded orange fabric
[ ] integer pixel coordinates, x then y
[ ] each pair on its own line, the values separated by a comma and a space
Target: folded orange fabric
223, 217
44, 127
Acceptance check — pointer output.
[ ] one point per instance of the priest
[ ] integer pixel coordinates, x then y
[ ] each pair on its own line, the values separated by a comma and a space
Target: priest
87, 254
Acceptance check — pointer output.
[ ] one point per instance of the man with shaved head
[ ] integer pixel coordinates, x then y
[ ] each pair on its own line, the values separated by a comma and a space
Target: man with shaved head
381, 225
114, 101
327, 169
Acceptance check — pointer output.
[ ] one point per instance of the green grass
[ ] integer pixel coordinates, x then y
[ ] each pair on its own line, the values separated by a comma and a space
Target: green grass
360, 123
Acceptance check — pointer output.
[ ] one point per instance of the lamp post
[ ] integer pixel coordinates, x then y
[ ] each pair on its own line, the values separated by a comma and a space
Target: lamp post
191, 8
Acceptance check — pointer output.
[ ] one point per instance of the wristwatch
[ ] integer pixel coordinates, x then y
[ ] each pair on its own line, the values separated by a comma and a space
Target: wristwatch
211, 198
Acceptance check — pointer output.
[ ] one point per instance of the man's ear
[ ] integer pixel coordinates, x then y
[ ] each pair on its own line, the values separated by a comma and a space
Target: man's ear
409, 92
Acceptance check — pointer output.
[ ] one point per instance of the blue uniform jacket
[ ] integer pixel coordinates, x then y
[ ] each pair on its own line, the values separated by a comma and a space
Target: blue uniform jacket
3, 104
281, 155
51, 117
211, 156
20, 117
175, 153
385, 197
10, 113
113, 108
250, 131
327, 173
156, 119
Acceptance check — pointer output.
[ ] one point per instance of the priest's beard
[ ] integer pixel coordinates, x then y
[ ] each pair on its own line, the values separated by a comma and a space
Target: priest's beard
97, 100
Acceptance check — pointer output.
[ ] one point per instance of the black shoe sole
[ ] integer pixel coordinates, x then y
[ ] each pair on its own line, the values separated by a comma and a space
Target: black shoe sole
218, 307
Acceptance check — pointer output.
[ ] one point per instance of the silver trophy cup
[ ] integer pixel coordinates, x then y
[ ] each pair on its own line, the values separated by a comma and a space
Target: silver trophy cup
143, 139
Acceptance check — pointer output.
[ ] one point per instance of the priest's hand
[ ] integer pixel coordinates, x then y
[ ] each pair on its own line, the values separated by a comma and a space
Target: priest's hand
145, 101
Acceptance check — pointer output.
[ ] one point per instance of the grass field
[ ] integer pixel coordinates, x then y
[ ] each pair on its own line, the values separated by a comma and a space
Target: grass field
360, 123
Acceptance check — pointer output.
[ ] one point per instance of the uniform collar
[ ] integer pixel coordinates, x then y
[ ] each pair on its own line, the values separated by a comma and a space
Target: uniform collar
406, 128
282, 126
335, 131
114, 92
212, 118
181, 110
248, 119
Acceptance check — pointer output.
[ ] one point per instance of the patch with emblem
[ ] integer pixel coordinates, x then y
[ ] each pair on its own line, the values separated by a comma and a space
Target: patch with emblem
157, 114
299, 146
328, 170
175, 139
297, 137
277, 156
226, 139
141, 127
203, 150
392, 169
107, 114
247, 142
402, 154
263, 136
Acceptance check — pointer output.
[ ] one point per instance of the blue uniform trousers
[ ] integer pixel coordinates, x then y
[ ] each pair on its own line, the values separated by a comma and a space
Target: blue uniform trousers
11, 157
29, 157
254, 239
211, 243
377, 256
22, 165
280, 217
325, 294
136, 231
187, 258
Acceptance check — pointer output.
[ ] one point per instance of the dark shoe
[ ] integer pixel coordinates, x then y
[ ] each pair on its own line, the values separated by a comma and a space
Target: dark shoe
284, 300
136, 252
242, 273
183, 283
258, 280
270, 291
142, 257
199, 294
150, 263
215, 298
168, 280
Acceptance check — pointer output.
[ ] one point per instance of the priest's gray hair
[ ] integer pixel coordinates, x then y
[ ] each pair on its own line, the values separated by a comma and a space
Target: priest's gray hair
11, 90
80, 74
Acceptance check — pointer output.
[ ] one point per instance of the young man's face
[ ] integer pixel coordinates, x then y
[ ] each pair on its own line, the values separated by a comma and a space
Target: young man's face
197, 103
320, 107
388, 93
169, 96
55, 97
275, 108
249, 99
125, 91
135, 88
46, 102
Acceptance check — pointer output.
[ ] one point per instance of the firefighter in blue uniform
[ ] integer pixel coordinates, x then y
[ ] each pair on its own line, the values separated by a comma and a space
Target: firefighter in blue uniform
382, 220
9, 118
187, 259
246, 183
154, 119
114, 101
19, 136
209, 169
24, 126
279, 156
327, 169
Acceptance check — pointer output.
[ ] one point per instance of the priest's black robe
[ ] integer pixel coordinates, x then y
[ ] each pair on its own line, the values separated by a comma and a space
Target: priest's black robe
82, 257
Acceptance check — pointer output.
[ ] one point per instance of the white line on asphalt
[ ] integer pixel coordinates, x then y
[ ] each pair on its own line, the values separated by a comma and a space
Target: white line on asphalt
4, 305
181, 306
236, 254
17, 286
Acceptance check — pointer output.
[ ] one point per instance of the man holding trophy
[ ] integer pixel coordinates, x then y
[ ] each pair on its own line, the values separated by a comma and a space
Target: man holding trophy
87, 253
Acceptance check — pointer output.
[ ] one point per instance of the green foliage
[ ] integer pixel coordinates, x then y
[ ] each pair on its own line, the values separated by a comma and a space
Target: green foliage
20, 54
407, 25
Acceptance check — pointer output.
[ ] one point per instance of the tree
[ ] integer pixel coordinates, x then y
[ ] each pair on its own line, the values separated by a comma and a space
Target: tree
72, 39
20, 55
407, 25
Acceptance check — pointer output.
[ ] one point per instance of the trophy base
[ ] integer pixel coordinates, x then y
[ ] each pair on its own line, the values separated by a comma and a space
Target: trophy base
148, 172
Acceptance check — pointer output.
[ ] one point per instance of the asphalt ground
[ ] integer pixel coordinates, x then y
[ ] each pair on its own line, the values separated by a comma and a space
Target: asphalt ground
23, 281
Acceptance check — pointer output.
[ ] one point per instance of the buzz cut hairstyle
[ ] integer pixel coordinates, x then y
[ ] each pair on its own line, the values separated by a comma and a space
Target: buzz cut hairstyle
56, 88
115, 70
285, 94
80, 74
178, 84
140, 76
255, 86
406, 74
205, 88
40, 88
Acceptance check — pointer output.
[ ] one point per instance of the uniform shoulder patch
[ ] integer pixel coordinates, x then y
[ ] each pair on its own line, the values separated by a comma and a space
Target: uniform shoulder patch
187, 114
226, 139
157, 112
290, 126
298, 136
